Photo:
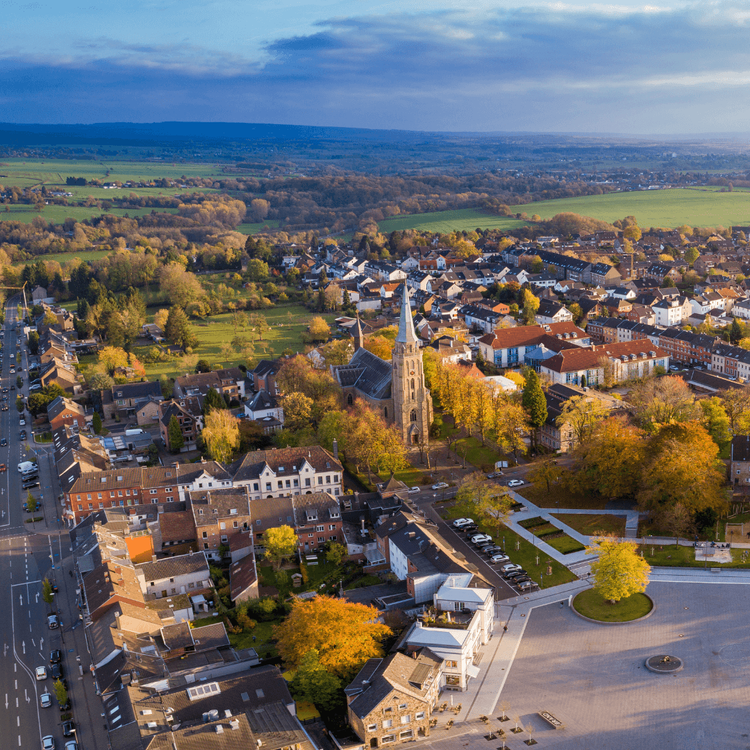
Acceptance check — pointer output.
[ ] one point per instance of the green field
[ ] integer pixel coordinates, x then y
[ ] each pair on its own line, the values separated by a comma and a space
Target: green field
697, 207
58, 214
448, 221
590, 603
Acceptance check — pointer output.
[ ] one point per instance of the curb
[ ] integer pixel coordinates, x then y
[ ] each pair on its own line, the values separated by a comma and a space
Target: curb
626, 622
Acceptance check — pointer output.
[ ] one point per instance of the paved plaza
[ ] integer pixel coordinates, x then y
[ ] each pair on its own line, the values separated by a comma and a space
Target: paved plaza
593, 678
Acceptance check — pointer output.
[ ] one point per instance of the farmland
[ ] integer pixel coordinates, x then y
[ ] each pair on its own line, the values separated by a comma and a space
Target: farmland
448, 221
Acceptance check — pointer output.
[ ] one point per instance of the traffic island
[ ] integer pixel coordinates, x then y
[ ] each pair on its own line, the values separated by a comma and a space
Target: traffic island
592, 606
663, 664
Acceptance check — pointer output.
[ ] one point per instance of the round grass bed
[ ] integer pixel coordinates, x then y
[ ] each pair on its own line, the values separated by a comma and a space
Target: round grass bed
593, 606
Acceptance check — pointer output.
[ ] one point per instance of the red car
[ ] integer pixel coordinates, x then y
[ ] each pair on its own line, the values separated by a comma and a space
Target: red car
3, 467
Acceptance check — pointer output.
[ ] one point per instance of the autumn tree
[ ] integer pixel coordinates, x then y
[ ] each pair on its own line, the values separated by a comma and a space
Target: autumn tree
61, 692
111, 358
581, 414
160, 318
344, 634
619, 571
530, 307
610, 462
716, 420
318, 330
180, 286
658, 401
379, 346
682, 466
737, 408
298, 410
546, 472
221, 435
312, 682
280, 543
484, 500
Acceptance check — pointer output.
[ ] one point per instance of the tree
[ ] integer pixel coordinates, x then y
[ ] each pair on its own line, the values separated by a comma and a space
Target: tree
280, 543
20, 404
180, 286
379, 346
581, 414
160, 318
257, 270
691, 255
345, 634
213, 400
715, 420
577, 312
511, 426
34, 342
620, 571
737, 407
336, 553
112, 358
482, 499
546, 471
48, 595
318, 330
312, 682
61, 693
610, 462
203, 366
530, 307
31, 503
658, 401
97, 423
221, 435
736, 331
682, 466
534, 402
297, 411
178, 329
174, 435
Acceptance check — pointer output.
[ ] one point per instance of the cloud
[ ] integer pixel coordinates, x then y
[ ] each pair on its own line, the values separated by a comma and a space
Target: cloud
553, 68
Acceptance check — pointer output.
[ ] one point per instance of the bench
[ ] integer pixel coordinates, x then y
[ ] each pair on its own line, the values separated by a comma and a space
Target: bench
553, 721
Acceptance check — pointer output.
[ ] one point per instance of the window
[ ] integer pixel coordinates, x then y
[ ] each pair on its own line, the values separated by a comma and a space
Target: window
88, 497
205, 545
310, 536
387, 710
331, 527
91, 506
320, 480
222, 525
224, 538
170, 499
154, 500
402, 706
419, 716
101, 505
320, 528
296, 482
268, 486
452, 680
387, 738
406, 734
307, 482
281, 484
333, 538
388, 723
406, 719
450, 663
372, 727
153, 492
99, 495
235, 524
255, 486
205, 535
335, 477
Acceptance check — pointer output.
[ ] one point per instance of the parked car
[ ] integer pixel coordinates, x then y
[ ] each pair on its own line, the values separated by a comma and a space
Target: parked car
498, 558
22, 422
413, 490
471, 529
22, 435
72, 745
495, 475
527, 586
515, 482
3, 442
514, 574
45, 700
461, 522
53, 622
3, 467
510, 568
493, 549
55, 656
440, 486
479, 539
41, 673
48, 742
68, 729
56, 671
31, 483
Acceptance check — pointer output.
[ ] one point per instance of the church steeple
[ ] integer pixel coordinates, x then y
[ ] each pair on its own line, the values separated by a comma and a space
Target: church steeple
406, 332
357, 334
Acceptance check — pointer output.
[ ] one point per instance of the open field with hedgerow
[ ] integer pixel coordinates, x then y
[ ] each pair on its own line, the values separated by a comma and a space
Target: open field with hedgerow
696, 207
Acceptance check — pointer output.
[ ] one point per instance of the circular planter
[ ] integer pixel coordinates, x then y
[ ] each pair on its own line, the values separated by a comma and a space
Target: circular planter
607, 622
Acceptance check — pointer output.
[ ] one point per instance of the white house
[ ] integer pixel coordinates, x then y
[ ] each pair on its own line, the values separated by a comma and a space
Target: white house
672, 312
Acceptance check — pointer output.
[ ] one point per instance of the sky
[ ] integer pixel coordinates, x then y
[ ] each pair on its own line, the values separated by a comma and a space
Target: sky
492, 65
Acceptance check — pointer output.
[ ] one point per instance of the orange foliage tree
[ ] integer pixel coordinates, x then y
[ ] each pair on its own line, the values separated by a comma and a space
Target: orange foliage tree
345, 634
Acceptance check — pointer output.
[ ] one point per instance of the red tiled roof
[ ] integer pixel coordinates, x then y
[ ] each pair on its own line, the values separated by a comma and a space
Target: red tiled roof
574, 360
528, 335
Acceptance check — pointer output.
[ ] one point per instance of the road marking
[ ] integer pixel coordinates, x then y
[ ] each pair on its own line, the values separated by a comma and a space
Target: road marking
18, 721
6, 700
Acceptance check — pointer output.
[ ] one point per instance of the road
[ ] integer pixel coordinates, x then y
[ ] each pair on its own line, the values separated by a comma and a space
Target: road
29, 552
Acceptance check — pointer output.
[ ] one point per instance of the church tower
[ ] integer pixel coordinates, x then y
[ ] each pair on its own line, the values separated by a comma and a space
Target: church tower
412, 403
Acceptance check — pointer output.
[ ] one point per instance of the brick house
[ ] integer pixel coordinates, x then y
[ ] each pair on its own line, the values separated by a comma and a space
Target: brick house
229, 382
391, 700
317, 520
739, 463
127, 400
103, 489
189, 416
218, 515
64, 412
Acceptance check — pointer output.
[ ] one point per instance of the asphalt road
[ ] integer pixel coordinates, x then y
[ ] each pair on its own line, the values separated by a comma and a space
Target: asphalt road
29, 552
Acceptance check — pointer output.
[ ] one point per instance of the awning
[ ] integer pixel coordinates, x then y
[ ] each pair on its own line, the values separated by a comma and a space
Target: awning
472, 671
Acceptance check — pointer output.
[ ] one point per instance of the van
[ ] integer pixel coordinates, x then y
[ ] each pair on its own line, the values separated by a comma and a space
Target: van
26, 467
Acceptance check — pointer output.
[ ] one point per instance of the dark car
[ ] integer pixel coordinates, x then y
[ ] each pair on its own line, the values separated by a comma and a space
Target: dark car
22, 435
515, 574
68, 729
493, 550
55, 656
56, 671
32, 483
13, 388
3, 442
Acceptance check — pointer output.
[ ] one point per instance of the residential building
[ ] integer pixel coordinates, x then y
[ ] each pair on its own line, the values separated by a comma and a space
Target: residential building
129, 399
187, 411
265, 408
65, 412
229, 382
317, 521
550, 312
739, 463
184, 574
219, 515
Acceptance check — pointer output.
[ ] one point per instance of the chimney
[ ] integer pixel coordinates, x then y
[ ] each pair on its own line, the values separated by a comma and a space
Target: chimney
335, 449
362, 521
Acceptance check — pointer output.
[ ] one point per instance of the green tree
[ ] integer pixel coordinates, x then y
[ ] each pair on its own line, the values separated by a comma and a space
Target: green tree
534, 403
336, 553
691, 255
97, 423
298, 410
178, 329
19, 404
61, 693
530, 307
213, 400
736, 332
547, 472
620, 571
48, 595
314, 683
481, 498
715, 420
174, 435
280, 543
221, 435
31, 503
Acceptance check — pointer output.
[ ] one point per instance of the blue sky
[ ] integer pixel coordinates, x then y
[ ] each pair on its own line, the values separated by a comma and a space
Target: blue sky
508, 65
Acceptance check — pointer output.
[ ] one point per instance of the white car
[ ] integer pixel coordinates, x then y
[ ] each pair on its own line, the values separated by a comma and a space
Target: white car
440, 486
509, 568
48, 742
45, 700
22, 422
41, 673
413, 490
481, 539
459, 523
515, 482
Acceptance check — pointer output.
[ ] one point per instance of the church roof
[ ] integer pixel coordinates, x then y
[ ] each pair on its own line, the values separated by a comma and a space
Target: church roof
367, 373
406, 333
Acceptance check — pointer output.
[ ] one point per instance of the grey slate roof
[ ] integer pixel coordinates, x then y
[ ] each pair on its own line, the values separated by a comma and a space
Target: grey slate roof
368, 373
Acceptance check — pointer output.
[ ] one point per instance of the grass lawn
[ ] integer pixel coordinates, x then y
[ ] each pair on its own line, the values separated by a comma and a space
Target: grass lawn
518, 549
263, 644
593, 524
481, 456
672, 555
591, 603
559, 497
565, 544
446, 221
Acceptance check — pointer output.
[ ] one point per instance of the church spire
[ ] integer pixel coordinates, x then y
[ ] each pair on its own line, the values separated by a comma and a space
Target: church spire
406, 333
357, 334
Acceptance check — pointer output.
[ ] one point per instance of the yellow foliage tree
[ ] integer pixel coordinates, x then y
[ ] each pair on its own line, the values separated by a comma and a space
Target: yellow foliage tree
221, 434
620, 571
345, 634
280, 543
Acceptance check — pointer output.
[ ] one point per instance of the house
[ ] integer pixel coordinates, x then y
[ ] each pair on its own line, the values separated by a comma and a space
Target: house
219, 515
39, 294
318, 521
603, 274
463, 618
264, 375
229, 382
264, 408
183, 574
62, 374
64, 412
550, 312
391, 700
479, 318
739, 463
189, 416
507, 347
672, 312
243, 580
597, 365
132, 399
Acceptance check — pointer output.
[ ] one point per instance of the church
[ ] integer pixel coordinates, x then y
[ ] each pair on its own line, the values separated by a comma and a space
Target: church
394, 389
